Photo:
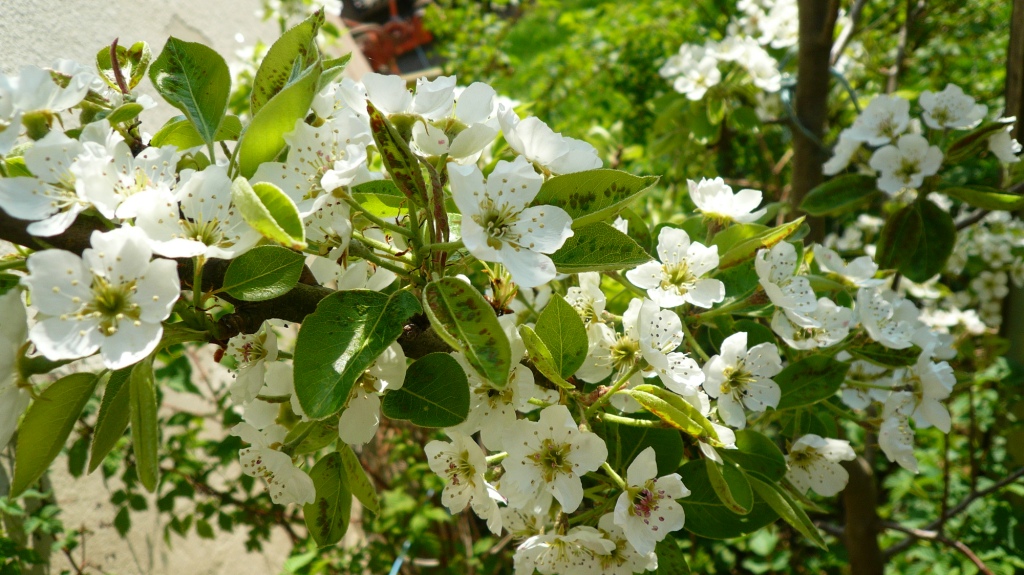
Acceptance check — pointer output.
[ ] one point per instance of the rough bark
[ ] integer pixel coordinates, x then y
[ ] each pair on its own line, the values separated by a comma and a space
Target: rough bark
861, 531
817, 29
1013, 307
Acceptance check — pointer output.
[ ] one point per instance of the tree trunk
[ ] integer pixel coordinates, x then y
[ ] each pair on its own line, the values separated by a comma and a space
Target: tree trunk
817, 29
1013, 306
861, 532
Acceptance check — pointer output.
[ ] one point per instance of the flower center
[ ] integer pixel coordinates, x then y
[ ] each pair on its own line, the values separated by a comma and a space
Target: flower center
736, 379
209, 233
644, 500
552, 459
460, 468
908, 167
624, 353
678, 276
112, 304
497, 223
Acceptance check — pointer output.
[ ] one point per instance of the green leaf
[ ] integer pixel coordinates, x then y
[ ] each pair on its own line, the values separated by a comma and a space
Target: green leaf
625, 442
263, 140
435, 393
594, 195
179, 132
731, 486
756, 452
707, 516
675, 411
380, 198
986, 198
733, 235
125, 113
784, 505
747, 249
934, 246
293, 52
878, 354
562, 331
318, 435
898, 240
340, 340
975, 141
357, 480
840, 194
810, 380
77, 455
541, 357
270, 212
194, 79
596, 248
112, 419
671, 560
133, 60
46, 426
145, 427
327, 517
398, 158
263, 273
464, 319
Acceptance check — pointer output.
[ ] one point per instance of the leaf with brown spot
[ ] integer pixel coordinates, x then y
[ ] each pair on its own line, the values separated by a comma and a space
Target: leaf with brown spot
464, 319
327, 517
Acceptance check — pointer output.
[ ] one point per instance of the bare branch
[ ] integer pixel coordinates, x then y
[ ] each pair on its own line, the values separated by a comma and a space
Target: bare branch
936, 536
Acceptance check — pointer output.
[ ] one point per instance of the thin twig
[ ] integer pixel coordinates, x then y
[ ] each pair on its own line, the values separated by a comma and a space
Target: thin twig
936, 536
972, 219
847, 33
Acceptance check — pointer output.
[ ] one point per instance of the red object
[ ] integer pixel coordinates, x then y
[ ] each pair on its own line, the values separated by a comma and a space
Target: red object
383, 43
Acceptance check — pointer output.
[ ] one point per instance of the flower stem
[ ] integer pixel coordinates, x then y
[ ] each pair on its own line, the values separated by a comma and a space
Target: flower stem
15, 263
379, 222
607, 396
625, 283
615, 476
496, 458
693, 342
442, 246
632, 422
197, 282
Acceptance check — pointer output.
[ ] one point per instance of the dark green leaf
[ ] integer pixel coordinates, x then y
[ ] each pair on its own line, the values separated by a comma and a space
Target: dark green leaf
327, 517
340, 340
598, 247
840, 194
810, 380
318, 435
77, 454
263, 273
145, 427
934, 246
755, 452
357, 480
783, 504
731, 486
671, 560
707, 516
562, 331
898, 241
435, 393
886, 357
986, 198
626, 442
46, 426
464, 319
975, 141
194, 79
293, 52
594, 195
112, 419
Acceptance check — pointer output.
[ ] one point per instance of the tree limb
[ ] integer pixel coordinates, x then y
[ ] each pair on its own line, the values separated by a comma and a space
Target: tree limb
937, 536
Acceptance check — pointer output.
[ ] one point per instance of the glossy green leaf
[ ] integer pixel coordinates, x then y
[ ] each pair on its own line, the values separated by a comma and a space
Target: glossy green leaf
263, 140
562, 331
810, 380
788, 510
125, 113
756, 452
145, 427
318, 435
598, 247
46, 426
625, 442
179, 132
358, 481
675, 411
435, 393
671, 559
270, 212
194, 79
840, 194
381, 198
464, 319
112, 418
594, 195
731, 486
707, 516
541, 357
340, 340
401, 163
327, 517
748, 248
733, 235
986, 198
935, 245
293, 52
133, 60
898, 240
263, 273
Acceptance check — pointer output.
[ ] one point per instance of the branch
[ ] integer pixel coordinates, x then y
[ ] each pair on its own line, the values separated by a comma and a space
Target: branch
847, 33
936, 536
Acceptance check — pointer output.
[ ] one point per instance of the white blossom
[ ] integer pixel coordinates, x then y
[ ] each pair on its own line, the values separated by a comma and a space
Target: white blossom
776, 271
842, 154
906, 164
112, 299
859, 273
624, 559
551, 454
889, 319
279, 383
1004, 146
677, 279
895, 436
499, 225
950, 108
285, 482
359, 420
831, 324
741, 378
538, 143
814, 464
930, 383
48, 198
647, 510
575, 553
715, 199
461, 462
661, 333
587, 299
885, 118
464, 133
252, 354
